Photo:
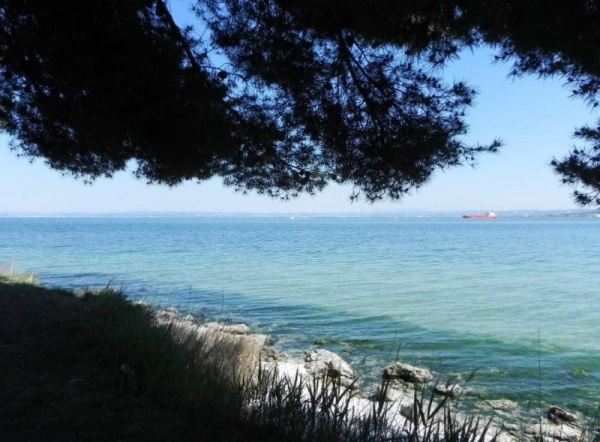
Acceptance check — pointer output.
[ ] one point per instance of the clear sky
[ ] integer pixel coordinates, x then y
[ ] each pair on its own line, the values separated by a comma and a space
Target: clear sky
535, 119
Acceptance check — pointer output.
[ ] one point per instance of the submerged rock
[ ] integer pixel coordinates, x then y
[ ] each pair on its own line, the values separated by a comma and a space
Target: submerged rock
408, 373
500, 405
579, 373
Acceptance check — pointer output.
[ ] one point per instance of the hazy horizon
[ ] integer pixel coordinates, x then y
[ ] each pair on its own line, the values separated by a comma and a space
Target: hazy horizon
398, 212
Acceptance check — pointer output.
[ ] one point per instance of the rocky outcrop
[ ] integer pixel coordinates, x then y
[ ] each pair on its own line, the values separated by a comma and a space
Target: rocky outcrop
543, 431
408, 373
504, 405
190, 319
393, 392
167, 315
326, 364
504, 409
232, 329
559, 415
245, 350
448, 390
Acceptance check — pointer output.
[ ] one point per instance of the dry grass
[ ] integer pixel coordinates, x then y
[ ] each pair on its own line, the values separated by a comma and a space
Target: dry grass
12, 275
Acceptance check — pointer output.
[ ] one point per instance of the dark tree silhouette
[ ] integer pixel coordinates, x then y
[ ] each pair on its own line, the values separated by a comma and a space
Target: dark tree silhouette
304, 93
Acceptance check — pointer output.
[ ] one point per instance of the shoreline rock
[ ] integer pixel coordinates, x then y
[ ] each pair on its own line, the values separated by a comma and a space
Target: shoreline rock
559, 415
408, 373
326, 364
252, 350
451, 391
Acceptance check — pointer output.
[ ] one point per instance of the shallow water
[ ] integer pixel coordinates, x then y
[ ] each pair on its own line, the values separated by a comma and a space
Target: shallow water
506, 297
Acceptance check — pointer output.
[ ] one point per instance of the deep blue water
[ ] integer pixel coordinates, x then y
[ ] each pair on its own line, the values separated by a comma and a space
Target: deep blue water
503, 297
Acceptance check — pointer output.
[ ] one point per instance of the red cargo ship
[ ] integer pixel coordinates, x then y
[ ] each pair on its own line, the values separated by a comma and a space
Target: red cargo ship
488, 215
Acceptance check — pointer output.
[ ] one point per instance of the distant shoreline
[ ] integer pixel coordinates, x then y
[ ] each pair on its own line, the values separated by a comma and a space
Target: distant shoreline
408, 214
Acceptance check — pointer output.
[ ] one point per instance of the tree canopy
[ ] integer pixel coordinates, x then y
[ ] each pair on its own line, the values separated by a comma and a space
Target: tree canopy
279, 96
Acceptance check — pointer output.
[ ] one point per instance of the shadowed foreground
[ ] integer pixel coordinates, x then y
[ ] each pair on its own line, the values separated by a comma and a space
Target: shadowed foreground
61, 376
96, 367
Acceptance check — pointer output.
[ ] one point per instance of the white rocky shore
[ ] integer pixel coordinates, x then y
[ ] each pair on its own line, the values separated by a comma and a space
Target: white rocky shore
249, 350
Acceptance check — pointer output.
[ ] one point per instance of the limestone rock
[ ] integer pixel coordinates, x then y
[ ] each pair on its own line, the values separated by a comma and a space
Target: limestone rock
512, 429
323, 363
407, 411
167, 315
559, 415
270, 340
448, 390
232, 329
408, 373
288, 370
190, 319
550, 430
269, 353
392, 394
143, 304
500, 405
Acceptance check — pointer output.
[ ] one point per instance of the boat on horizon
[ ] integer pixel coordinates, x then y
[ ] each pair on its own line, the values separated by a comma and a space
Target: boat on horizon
487, 215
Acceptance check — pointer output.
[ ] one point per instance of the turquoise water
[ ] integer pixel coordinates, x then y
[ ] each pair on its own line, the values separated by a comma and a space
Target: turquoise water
504, 297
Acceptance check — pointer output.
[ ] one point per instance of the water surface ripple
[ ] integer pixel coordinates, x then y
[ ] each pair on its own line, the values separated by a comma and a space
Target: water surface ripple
452, 294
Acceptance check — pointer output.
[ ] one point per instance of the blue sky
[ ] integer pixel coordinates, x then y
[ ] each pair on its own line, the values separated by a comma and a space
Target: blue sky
535, 119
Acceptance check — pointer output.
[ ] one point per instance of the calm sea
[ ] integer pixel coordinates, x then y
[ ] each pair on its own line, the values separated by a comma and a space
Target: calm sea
518, 299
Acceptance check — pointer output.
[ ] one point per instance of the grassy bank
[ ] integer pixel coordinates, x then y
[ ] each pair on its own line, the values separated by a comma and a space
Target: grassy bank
93, 366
